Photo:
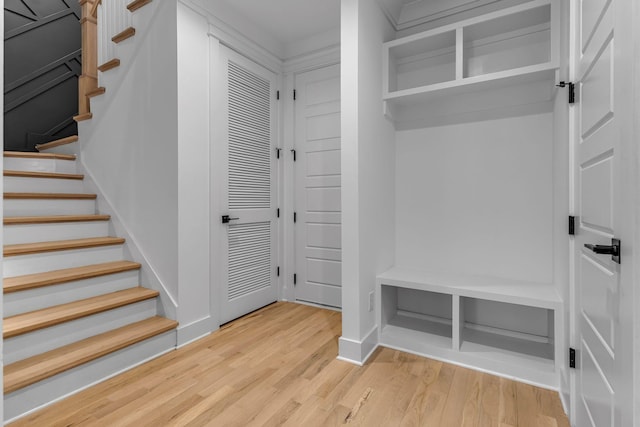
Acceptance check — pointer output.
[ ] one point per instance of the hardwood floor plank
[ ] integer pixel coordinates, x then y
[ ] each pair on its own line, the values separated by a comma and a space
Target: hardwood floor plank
278, 367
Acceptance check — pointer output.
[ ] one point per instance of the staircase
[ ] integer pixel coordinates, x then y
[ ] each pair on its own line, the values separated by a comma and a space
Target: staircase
74, 310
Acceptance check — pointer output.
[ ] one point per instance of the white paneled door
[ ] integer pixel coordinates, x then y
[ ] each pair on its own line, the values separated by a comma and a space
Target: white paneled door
603, 268
248, 173
318, 227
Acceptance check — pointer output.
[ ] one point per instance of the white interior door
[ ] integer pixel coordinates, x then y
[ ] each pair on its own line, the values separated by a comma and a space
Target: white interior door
604, 361
248, 166
318, 246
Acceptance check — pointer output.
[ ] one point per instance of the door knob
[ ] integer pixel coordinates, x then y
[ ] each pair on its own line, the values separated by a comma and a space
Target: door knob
613, 249
226, 219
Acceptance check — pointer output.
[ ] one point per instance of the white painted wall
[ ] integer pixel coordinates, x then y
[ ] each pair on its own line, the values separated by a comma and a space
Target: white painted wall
368, 175
477, 198
130, 149
196, 310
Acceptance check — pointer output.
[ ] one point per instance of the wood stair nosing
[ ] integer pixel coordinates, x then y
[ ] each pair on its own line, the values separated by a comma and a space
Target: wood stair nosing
83, 117
51, 316
56, 277
137, 4
18, 220
123, 35
113, 63
57, 143
51, 175
60, 245
96, 92
34, 155
65, 196
37, 368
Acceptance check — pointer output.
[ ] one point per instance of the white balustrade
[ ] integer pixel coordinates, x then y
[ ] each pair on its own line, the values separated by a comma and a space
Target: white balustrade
113, 18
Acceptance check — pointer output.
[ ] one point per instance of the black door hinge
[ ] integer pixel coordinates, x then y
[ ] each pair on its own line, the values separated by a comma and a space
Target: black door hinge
294, 154
295, 278
294, 95
572, 225
278, 271
572, 90
572, 358
278, 95
295, 217
278, 213
278, 153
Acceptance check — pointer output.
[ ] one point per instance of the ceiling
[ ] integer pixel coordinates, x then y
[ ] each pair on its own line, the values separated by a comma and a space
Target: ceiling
289, 20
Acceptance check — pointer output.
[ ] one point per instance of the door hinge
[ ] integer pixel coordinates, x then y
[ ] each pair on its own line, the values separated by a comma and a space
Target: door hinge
572, 357
572, 225
294, 154
278, 153
295, 278
278, 95
572, 90
295, 217
278, 271
294, 95
278, 213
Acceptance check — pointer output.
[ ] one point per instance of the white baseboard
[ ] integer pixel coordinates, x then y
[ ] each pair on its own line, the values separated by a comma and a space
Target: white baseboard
358, 352
195, 331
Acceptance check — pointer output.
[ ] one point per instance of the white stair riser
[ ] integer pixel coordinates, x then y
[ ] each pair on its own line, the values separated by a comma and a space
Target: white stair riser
47, 261
31, 233
44, 392
39, 165
37, 207
18, 184
71, 148
43, 340
47, 296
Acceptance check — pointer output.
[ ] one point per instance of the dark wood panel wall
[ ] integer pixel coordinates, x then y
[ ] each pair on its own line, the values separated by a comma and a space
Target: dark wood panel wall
42, 63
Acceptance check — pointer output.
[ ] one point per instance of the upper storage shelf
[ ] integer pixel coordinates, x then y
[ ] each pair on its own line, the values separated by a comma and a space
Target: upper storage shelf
507, 47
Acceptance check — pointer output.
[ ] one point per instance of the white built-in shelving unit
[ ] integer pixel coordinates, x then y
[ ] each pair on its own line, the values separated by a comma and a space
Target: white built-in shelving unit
448, 336
455, 171
505, 48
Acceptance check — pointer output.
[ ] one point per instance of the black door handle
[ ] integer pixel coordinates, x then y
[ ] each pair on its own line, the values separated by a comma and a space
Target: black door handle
613, 249
226, 219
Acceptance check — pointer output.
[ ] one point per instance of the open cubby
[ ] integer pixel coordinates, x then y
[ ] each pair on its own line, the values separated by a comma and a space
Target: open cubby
423, 62
468, 320
506, 48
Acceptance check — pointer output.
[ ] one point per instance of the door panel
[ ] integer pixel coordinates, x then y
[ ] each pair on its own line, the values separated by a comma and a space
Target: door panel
599, 183
249, 183
318, 195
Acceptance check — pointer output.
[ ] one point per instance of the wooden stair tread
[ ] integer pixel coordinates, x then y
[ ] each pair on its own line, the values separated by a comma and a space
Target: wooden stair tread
82, 117
123, 35
32, 155
109, 65
49, 196
60, 245
97, 91
16, 220
57, 143
137, 4
50, 316
37, 280
54, 175
29, 371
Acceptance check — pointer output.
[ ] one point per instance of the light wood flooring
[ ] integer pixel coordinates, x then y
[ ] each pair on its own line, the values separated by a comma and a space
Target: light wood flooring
278, 366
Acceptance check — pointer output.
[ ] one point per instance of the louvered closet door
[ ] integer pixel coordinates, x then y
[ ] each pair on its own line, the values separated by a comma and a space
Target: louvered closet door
249, 191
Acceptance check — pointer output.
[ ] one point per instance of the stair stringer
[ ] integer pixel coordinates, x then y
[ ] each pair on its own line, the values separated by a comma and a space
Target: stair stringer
167, 304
